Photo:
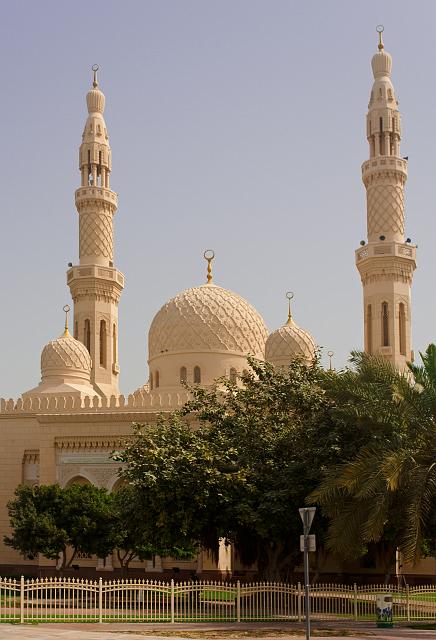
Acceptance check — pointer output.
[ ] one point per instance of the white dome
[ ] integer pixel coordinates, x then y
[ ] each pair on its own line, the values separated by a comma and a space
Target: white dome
207, 318
289, 342
65, 356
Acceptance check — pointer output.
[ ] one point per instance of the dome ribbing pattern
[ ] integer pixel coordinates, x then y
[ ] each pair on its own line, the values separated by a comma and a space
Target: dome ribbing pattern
65, 355
207, 318
289, 342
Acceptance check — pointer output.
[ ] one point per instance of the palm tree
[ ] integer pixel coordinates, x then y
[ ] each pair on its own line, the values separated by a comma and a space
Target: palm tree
387, 492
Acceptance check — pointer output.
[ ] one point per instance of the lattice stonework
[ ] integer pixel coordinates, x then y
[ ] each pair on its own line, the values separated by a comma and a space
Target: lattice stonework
96, 235
385, 209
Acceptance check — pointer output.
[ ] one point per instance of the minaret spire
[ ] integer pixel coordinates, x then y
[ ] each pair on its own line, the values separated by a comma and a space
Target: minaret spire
386, 264
95, 284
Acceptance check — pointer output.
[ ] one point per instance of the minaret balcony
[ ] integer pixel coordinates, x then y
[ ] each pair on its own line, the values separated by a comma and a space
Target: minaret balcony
99, 272
384, 163
84, 194
379, 249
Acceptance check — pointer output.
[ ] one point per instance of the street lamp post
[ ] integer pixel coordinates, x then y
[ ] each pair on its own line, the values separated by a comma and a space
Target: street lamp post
307, 514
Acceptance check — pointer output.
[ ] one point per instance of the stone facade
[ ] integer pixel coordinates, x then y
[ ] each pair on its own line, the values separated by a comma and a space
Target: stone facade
64, 429
387, 262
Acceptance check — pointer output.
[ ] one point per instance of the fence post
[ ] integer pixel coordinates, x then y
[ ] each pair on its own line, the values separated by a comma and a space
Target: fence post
238, 601
355, 601
408, 602
172, 600
100, 600
22, 600
299, 602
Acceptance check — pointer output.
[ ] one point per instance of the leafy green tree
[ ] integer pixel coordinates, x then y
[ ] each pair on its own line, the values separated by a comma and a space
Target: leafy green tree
59, 522
136, 536
236, 463
387, 492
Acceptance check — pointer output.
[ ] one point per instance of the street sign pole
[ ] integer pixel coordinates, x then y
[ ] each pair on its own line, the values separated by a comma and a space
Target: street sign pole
307, 514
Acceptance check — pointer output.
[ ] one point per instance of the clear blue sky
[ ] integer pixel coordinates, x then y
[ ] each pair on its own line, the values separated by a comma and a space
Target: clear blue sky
237, 125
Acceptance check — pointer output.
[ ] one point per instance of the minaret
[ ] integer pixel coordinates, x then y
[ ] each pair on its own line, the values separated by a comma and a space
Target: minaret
386, 264
95, 284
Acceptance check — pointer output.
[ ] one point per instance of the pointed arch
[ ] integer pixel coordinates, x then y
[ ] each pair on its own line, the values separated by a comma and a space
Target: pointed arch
197, 375
402, 327
87, 335
114, 345
103, 345
385, 324
183, 375
369, 329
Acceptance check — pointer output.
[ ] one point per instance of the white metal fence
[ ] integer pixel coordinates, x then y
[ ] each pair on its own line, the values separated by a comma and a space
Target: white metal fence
75, 600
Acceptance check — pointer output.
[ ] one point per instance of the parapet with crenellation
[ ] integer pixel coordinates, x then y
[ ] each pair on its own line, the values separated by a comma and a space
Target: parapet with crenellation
140, 402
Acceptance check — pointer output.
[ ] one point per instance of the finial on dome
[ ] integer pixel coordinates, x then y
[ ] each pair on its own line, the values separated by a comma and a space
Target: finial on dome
95, 68
209, 255
380, 28
330, 355
66, 310
289, 295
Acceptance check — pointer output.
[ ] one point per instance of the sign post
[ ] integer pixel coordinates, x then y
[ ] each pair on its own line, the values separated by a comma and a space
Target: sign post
307, 514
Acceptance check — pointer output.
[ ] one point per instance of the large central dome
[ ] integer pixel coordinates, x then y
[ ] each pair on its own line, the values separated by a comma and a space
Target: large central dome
207, 318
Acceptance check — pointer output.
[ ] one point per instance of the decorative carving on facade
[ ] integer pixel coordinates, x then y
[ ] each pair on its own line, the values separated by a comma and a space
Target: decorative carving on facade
208, 318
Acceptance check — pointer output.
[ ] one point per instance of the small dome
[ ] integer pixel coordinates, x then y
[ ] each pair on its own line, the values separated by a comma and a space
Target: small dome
381, 64
207, 318
65, 356
95, 100
289, 342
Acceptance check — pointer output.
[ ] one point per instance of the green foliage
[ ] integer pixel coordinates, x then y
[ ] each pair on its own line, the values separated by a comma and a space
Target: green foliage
48, 520
237, 463
387, 492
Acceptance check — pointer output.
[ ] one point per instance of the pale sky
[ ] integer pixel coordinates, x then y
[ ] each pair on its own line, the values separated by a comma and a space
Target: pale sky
236, 125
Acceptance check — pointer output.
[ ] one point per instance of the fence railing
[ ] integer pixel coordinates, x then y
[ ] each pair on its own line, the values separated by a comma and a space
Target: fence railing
75, 600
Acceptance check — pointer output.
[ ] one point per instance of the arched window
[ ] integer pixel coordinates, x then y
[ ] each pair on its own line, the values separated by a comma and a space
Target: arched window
183, 375
197, 375
87, 335
385, 324
156, 379
151, 382
402, 327
76, 330
369, 329
233, 375
103, 343
114, 344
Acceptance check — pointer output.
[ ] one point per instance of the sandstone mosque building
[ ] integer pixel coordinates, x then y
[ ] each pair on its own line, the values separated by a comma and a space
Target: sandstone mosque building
64, 429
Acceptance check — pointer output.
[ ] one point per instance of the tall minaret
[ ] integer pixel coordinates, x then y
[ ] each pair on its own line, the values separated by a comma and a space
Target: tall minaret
386, 264
95, 284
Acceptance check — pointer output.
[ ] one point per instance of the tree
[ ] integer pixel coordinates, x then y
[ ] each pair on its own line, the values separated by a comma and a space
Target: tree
51, 520
236, 463
135, 531
387, 492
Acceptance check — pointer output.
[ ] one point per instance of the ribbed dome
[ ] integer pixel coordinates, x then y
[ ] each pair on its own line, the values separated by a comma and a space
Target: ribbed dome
381, 64
207, 318
289, 342
65, 356
95, 100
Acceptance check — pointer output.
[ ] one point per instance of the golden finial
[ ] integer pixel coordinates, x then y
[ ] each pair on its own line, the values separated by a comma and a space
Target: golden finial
95, 68
66, 310
209, 255
380, 28
289, 295
330, 355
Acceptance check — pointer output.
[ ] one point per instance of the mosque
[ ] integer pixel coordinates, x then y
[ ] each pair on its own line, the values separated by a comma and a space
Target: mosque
64, 429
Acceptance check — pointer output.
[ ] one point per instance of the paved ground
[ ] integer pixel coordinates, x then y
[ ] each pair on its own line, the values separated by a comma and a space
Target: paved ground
146, 632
